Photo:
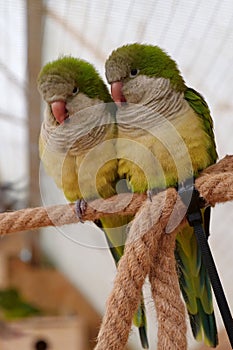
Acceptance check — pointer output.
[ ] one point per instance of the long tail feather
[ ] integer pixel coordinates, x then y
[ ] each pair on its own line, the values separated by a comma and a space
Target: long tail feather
195, 287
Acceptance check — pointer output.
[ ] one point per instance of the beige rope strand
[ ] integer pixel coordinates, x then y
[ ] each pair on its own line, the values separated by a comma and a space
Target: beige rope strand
216, 188
33, 218
58, 215
134, 265
122, 303
133, 268
165, 289
215, 185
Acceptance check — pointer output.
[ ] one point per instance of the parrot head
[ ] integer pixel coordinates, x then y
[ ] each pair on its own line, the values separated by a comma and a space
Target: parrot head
129, 70
70, 84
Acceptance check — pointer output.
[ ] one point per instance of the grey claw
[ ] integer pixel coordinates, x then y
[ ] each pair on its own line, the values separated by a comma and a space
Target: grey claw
149, 195
80, 208
152, 192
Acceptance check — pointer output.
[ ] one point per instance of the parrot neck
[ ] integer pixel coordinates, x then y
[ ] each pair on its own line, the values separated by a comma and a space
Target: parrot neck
79, 133
158, 101
163, 99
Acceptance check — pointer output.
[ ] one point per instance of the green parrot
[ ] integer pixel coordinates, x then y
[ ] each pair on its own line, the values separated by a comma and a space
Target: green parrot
165, 138
13, 306
77, 144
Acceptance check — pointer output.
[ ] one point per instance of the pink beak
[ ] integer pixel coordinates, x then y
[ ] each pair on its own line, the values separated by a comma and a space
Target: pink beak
116, 91
59, 111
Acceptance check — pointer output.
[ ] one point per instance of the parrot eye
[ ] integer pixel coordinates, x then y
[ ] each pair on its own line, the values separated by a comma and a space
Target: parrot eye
134, 72
75, 90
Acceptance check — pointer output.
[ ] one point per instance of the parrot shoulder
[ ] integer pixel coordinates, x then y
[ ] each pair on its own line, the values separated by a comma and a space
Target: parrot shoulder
200, 107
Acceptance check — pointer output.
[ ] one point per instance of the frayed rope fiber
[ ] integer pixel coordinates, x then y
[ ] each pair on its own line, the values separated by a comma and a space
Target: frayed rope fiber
148, 252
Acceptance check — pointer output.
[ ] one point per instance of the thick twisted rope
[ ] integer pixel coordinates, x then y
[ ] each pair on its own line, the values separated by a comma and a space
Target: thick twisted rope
59, 215
165, 289
215, 185
151, 251
133, 268
145, 240
144, 253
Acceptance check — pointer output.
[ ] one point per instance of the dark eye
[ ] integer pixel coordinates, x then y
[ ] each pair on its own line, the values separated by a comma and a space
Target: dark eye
75, 90
134, 72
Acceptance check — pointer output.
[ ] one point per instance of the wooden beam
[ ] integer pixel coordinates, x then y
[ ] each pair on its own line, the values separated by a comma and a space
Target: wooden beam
34, 34
34, 45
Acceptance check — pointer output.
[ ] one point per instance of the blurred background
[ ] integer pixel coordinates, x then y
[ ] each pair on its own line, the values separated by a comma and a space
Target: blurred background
197, 34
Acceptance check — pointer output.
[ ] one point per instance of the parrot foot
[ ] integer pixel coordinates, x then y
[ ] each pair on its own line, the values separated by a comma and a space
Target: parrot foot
186, 191
80, 208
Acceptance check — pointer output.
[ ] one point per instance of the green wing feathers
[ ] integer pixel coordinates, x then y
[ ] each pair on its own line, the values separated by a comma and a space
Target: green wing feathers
199, 105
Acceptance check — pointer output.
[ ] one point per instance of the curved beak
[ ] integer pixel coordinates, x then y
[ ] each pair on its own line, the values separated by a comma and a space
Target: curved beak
59, 111
116, 91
